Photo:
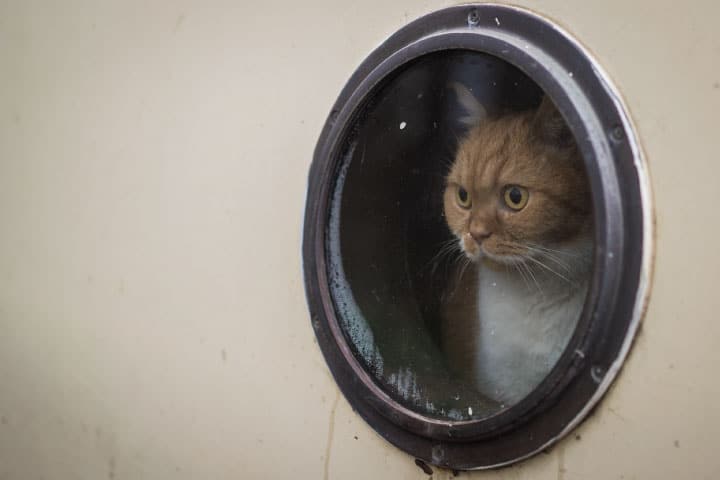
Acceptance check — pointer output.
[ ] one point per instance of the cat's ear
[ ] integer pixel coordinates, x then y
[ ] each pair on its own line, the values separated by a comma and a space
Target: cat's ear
549, 126
475, 112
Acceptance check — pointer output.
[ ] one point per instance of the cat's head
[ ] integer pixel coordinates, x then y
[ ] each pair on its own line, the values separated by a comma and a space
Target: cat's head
517, 184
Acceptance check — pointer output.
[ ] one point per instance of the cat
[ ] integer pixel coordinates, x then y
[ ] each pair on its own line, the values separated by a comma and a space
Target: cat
517, 201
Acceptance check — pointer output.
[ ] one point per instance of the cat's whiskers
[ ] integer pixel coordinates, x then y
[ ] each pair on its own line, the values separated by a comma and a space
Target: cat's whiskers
551, 257
522, 274
461, 271
534, 279
549, 269
553, 250
526, 254
447, 247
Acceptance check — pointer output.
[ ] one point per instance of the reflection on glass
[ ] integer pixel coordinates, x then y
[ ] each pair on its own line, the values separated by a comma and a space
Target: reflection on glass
459, 241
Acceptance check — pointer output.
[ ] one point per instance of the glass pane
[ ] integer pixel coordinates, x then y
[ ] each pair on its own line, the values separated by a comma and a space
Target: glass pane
460, 236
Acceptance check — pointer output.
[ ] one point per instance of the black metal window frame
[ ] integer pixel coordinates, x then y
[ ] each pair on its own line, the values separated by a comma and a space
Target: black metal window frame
621, 196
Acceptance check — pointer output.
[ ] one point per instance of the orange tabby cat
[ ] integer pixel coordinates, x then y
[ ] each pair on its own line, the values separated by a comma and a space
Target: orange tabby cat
518, 202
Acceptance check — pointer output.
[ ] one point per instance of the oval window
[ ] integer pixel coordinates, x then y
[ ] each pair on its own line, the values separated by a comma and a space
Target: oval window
477, 236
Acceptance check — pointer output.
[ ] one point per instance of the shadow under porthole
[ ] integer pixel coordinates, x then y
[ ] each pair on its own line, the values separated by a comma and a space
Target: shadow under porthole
395, 265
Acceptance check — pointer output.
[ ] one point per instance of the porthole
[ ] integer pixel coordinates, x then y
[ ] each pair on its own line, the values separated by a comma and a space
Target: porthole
477, 238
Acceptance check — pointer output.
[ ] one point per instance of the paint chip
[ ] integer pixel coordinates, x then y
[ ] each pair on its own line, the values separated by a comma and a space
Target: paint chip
403, 125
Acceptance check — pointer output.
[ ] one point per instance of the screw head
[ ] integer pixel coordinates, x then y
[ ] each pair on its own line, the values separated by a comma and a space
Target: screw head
597, 373
617, 133
438, 454
473, 18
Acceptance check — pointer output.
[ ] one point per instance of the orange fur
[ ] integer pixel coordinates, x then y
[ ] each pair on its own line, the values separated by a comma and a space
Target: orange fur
526, 149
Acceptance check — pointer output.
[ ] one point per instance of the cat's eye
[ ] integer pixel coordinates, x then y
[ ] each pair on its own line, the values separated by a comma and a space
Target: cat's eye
515, 197
463, 198
474, 344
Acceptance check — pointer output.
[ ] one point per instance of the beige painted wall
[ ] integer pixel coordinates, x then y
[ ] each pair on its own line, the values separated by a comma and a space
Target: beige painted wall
152, 179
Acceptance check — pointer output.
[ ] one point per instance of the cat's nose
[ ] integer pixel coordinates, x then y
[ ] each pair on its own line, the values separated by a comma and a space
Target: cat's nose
480, 234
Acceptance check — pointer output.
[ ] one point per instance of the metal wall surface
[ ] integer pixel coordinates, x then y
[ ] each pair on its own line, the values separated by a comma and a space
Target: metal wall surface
152, 178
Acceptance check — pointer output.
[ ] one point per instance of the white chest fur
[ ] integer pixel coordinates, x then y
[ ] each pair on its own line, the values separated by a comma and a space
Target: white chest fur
506, 329
523, 327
